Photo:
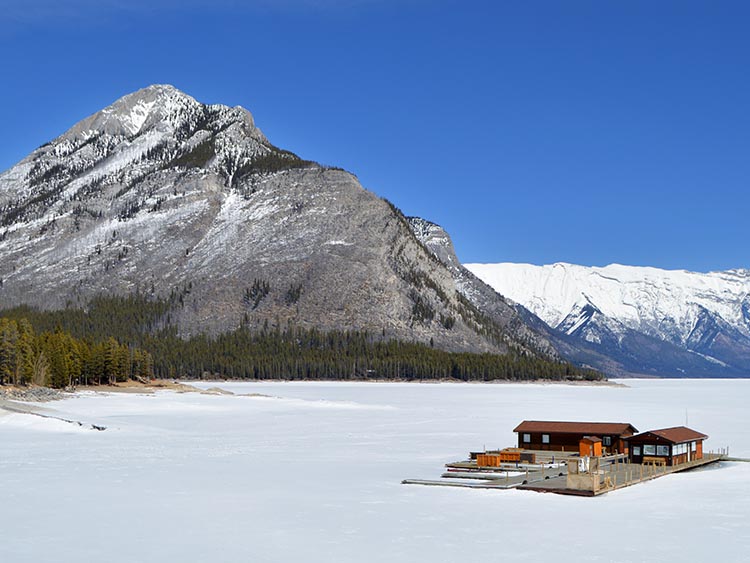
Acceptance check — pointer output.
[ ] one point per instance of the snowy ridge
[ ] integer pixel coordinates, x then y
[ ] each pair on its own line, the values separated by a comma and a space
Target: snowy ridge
706, 314
641, 298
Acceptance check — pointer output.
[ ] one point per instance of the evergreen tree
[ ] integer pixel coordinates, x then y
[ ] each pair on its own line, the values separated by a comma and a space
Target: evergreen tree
8, 356
25, 353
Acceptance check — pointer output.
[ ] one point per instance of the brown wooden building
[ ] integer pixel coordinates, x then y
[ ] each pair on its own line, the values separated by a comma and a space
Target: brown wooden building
670, 446
566, 436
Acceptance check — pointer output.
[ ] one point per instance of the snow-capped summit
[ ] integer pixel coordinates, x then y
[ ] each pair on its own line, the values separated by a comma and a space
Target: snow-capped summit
140, 110
704, 315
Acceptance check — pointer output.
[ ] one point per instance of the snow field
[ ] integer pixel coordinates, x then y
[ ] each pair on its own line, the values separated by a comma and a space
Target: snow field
312, 472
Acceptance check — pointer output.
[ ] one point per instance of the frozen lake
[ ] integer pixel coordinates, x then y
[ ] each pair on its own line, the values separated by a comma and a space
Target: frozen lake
313, 474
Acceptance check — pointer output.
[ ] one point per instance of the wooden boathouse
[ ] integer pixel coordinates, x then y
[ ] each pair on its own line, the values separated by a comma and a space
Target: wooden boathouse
570, 458
668, 446
568, 436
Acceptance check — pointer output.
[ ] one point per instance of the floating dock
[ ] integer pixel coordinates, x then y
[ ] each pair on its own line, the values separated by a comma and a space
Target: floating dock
618, 475
609, 473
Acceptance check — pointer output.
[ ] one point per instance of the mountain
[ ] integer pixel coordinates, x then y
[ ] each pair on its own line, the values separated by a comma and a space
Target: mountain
630, 320
526, 328
161, 196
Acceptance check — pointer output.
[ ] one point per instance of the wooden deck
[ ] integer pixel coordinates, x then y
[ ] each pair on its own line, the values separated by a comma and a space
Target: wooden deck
615, 473
620, 475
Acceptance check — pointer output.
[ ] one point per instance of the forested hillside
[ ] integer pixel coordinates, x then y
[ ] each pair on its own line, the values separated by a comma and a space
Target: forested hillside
121, 337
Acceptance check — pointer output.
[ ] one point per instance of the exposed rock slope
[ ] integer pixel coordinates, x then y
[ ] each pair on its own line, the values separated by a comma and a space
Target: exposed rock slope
525, 326
162, 195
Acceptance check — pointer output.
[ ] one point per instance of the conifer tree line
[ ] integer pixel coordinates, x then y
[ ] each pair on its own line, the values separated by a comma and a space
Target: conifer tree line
120, 337
299, 354
57, 359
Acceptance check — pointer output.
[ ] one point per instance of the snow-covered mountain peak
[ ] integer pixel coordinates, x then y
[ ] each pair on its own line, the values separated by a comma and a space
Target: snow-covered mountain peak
705, 313
153, 130
635, 295
137, 112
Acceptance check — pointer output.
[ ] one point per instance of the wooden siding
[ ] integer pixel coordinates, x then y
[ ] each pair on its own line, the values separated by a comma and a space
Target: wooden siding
669, 460
567, 442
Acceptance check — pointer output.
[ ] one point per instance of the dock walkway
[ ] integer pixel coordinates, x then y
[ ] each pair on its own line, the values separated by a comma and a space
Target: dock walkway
620, 475
615, 473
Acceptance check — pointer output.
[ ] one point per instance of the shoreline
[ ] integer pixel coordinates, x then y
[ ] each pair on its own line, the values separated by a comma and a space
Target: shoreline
31, 400
606, 383
23, 400
38, 394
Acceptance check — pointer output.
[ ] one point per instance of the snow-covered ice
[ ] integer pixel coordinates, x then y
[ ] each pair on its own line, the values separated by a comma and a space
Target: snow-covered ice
313, 472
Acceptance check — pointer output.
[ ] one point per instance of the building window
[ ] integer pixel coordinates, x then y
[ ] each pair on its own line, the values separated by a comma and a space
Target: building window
693, 446
545, 438
649, 449
607, 440
662, 450
636, 450
527, 438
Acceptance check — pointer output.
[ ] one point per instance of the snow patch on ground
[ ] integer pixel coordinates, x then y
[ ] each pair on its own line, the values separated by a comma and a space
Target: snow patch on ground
18, 422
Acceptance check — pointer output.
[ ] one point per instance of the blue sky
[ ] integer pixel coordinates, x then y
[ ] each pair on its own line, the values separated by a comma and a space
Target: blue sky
581, 131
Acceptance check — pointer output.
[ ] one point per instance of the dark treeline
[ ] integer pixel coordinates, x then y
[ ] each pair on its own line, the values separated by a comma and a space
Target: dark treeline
57, 359
135, 323
295, 353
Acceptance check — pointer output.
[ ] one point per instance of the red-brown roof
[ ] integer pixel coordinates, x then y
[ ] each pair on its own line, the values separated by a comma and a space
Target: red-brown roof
592, 439
676, 435
587, 428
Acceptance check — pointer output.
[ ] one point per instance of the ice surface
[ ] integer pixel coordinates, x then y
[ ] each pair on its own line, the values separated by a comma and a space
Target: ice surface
313, 472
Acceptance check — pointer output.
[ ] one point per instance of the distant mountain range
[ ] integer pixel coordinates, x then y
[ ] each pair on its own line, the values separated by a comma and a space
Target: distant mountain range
637, 321
159, 195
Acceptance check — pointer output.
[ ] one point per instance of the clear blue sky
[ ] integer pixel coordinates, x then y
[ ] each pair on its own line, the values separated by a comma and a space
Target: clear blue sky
583, 131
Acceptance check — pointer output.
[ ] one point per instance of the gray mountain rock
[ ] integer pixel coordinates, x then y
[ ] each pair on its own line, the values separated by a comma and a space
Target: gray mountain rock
515, 320
161, 195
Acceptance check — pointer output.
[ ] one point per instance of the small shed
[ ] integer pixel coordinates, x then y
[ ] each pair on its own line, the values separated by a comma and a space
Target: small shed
667, 446
590, 446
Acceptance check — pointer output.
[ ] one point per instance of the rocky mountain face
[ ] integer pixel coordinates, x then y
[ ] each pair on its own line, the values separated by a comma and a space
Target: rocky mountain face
628, 320
163, 196
525, 327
